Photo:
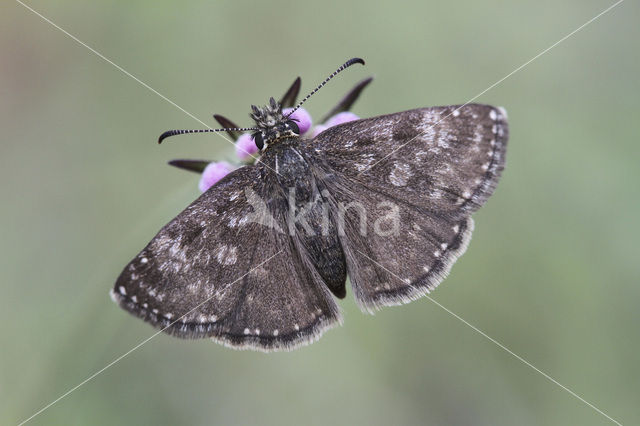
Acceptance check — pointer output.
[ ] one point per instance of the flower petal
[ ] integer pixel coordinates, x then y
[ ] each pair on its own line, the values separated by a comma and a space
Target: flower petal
227, 124
347, 102
196, 166
213, 173
342, 117
303, 117
245, 147
317, 130
289, 98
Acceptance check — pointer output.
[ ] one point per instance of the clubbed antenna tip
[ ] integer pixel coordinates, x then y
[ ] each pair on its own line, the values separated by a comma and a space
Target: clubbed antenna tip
169, 133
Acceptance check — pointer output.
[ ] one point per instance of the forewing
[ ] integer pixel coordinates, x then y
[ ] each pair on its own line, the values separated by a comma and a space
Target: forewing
443, 159
224, 269
404, 186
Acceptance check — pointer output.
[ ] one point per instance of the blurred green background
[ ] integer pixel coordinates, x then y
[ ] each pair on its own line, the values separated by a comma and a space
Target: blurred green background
552, 272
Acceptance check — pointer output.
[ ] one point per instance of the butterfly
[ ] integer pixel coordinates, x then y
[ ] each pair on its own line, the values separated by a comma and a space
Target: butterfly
258, 260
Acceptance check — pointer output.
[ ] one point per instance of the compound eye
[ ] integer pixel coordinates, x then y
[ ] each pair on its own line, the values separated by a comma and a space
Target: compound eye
293, 126
257, 138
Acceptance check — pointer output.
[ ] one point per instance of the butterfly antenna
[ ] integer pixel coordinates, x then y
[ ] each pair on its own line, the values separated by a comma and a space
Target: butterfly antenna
336, 72
169, 133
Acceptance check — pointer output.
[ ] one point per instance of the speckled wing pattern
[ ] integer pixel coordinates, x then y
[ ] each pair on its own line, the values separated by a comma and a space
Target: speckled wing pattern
213, 272
436, 165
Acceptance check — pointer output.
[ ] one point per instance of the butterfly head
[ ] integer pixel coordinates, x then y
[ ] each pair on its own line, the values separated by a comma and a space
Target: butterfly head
272, 124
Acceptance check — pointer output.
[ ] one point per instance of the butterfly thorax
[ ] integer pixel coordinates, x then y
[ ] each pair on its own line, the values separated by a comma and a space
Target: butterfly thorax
272, 124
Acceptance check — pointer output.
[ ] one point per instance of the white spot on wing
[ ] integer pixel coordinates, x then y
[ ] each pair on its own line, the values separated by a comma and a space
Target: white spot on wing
226, 255
477, 135
400, 174
367, 160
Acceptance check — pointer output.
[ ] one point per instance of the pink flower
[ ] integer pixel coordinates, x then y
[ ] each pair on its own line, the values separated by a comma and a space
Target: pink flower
303, 118
213, 173
341, 117
245, 147
319, 128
